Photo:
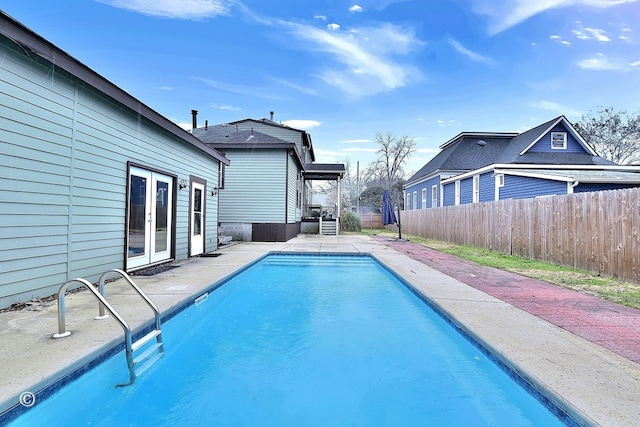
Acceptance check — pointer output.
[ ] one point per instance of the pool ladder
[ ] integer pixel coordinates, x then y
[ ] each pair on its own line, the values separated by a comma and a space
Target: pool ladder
149, 354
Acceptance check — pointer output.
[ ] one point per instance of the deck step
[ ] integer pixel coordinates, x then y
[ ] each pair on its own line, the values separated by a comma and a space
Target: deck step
155, 349
145, 339
143, 365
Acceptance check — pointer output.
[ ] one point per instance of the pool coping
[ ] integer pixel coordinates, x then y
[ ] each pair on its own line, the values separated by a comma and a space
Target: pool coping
404, 268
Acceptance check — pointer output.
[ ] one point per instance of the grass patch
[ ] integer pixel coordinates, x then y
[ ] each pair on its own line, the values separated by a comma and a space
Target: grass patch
609, 288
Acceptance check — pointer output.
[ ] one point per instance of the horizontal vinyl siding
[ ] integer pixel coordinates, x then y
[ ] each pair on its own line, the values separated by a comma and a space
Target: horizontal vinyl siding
519, 187
487, 187
293, 213
255, 186
63, 178
449, 191
584, 188
544, 144
466, 190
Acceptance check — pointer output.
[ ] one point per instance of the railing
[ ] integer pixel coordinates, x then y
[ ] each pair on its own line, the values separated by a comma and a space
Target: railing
103, 304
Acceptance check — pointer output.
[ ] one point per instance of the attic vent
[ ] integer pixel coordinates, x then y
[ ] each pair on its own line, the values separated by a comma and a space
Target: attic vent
481, 142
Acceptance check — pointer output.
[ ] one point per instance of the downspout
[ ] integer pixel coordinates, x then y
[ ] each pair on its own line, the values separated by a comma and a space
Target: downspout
571, 186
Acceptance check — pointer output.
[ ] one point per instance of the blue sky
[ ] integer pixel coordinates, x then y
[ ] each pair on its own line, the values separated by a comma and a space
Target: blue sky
344, 70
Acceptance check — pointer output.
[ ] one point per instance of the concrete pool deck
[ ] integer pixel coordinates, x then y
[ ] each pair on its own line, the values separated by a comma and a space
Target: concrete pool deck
596, 385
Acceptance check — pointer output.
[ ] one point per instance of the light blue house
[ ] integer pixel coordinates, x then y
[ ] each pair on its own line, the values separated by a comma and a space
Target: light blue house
266, 195
550, 159
90, 178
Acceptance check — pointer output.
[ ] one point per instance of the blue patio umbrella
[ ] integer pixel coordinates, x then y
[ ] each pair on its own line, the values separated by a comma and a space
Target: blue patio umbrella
388, 216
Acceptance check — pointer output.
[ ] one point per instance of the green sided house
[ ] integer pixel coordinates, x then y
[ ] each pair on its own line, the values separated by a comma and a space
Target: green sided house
91, 179
267, 195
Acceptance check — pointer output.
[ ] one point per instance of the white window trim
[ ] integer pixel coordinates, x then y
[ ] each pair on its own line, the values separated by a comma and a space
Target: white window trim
415, 200
564, 140
434, 196
407, 201
476, 188
424, 198
457, 192
499, 184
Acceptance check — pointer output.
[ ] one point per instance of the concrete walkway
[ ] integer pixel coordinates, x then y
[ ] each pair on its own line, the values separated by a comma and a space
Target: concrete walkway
593, 384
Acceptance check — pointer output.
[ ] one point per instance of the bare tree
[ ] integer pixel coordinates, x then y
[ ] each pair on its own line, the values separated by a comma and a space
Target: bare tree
393, 153
348, 188
613, 135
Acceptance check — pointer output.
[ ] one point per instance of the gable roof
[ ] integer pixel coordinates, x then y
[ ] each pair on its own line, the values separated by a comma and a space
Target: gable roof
519, 148
474, 150
466, 151
33, 44
230, 127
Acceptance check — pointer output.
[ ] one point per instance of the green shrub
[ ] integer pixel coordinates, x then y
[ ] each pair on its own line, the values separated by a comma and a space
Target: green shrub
350, 222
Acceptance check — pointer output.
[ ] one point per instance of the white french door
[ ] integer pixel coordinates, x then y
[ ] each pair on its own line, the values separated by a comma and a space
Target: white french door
197, 218
150, 217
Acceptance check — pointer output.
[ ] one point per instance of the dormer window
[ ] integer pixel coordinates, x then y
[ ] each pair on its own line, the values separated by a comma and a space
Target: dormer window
558, 140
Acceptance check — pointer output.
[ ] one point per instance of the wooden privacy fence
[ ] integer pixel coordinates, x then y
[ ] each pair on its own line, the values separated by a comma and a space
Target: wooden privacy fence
371, 220
595, 231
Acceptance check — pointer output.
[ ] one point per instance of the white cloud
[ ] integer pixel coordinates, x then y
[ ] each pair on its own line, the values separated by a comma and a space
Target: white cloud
360, 150
302, 124
556, 108
191, 10
362, 61
333, 26
601, 63
320, 17
355, 9
167, 88
504, 14
475, 57
591, 34
302, 89
356, 141
635, 64
226, 107
254, 91
559, 39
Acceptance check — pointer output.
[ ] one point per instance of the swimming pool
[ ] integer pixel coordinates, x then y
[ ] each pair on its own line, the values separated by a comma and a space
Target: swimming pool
303, 340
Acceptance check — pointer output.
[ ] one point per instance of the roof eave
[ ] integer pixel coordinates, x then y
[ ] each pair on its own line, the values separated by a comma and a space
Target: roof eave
28, 40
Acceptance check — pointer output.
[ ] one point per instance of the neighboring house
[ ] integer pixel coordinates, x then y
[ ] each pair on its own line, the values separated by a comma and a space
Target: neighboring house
551, 158
91, 178
267, 193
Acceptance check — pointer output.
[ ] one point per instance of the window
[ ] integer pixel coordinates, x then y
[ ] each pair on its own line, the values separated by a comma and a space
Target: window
559, 140
221, 170
434, 196
457, 192
424, 198
407, 201
476, 188
415, 200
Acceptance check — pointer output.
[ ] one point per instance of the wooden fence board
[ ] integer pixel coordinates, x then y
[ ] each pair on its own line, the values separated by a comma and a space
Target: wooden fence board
597, 231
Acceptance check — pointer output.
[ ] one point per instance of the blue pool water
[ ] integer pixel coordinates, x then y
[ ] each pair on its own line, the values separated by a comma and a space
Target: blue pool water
303, 340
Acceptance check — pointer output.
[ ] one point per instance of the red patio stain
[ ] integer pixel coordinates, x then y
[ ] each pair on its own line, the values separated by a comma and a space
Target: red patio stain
610, 325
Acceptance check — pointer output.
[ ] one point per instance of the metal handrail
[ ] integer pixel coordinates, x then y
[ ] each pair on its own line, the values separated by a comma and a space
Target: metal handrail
125, 276
62, 332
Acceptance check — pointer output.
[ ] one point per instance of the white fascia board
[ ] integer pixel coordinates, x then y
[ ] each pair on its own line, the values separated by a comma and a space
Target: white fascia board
571, 130
535, 175
469, 174
535, 141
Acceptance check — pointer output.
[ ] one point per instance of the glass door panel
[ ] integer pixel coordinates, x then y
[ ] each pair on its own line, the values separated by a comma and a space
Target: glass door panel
197, 218
150, 217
